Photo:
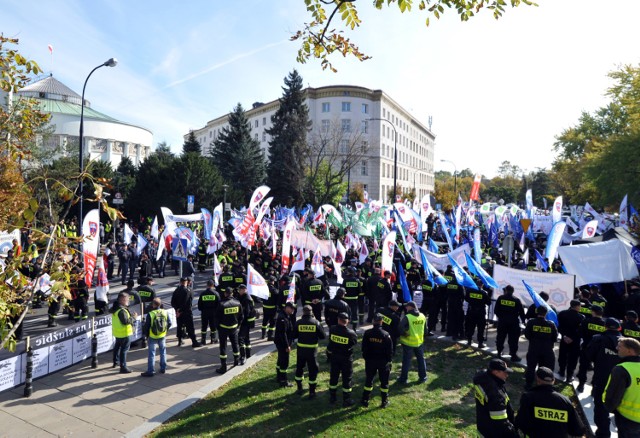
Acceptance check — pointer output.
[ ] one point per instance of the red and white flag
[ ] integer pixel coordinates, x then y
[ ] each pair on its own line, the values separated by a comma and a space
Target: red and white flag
475, 188
317, 265
298, 264
291, 296
286, 246
388, 246
256, 286
91, 243
364, 252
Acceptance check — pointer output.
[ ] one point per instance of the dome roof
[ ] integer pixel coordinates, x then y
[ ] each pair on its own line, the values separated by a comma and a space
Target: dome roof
51, 88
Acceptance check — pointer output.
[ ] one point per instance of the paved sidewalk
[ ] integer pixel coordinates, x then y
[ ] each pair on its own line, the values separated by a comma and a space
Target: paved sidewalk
101, 402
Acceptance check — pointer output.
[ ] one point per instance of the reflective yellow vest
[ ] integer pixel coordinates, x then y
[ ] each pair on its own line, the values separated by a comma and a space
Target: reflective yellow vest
415, 336
630, 405
119, 329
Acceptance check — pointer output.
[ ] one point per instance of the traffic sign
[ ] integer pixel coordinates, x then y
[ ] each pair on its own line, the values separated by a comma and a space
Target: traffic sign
117, 198
179, 248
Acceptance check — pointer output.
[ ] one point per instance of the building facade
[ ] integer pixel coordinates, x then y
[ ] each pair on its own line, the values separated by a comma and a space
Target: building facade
105, 138
355, 118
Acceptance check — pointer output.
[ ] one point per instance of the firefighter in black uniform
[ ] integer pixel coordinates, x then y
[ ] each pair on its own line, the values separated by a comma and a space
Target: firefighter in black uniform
569, 322
546, 413
391, 316
510, 312
269, 310
429, 291
202, 255
342, 340
335, 306
377, 352
208, 303
248, 322
353, 288
283, 338
147, 293
439, 308
182, 300
630, 327
590, 327
80, 293
455, 313
308, 331
229, 316
313, 292
370, 293
226, 279
542, 334
239, 276
603, 351
478, 300
494, 414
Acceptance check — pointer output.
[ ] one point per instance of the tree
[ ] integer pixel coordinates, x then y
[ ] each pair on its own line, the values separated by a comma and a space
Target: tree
318, 41
191, 145
288, 145
332, 159
163, 147
238, 158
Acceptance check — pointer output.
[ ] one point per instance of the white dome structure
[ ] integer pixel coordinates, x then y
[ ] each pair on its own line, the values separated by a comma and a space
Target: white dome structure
105, 138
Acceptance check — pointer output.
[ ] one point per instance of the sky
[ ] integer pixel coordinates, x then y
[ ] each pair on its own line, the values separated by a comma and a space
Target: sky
496, 90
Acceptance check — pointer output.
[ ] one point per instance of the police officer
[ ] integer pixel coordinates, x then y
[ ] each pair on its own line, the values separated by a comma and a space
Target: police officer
478, 300
569, 322
542, 334
248, 322
412, 328
598, 299
622, 393
335, 306
546, 413
391, 321
439, 310
353, 288
590, 327
494, 414
429, 291
208, 303
510, 312
313, 292
602, 351
342, 340
630, 327
283, 338
370, 293
377, 352
308, 331
269, 310
229, 316
585, 303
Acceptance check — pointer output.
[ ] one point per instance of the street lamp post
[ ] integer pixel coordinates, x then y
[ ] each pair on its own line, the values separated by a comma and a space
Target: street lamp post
455, 176
111, 62
395, 154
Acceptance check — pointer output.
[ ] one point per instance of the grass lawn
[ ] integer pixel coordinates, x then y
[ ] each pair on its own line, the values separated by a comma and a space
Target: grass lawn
253, 404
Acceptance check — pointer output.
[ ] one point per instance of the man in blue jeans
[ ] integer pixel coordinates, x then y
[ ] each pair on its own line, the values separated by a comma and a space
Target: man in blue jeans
122, 327
412, 329
155, 328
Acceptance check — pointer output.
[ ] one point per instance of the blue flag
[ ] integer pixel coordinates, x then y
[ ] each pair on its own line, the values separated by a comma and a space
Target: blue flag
493, 235
538, 301
463, 278
418, 219
430, 272
433, 247
477, 270
402, 278
541, 261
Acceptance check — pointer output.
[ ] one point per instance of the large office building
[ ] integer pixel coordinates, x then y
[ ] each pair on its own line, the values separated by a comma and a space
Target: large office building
105, 138
363, 124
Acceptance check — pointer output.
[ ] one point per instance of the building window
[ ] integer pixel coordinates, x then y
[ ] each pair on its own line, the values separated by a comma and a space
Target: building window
326, 107
344, 146
256, 136
264, 136
365, 146
210, 134
346, 125
326, 124
346, 107
264, 121
363, 168
365, 127
384, 113
365, 108
365, 187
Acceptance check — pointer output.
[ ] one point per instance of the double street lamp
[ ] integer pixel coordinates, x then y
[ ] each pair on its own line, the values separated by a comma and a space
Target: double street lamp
395, 154
112, 62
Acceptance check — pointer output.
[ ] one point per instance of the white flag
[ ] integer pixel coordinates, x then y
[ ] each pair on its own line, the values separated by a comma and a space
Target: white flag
556, 214
317, 266
91, 243
298, 264
624, 213
128, 234
388, 246
154, 228
364, 252
256, 286
217, 269
589, 229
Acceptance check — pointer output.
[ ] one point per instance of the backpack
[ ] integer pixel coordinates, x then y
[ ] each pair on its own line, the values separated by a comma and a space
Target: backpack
159, 324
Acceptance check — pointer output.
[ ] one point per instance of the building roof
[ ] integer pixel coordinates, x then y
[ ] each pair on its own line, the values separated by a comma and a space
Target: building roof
51, 88
61, 107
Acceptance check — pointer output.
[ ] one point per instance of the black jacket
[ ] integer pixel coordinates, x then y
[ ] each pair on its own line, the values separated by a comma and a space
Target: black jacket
546, 413
602, 350
182, 299
283, 336
509, 309
377, 345
494, 414
341, 341
569, 322
308, 331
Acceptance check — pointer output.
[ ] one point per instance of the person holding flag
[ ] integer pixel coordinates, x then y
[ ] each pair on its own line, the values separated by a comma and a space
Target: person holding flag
542, 334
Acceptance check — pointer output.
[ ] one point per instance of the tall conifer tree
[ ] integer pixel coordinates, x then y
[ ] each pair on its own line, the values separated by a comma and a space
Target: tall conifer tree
288, 147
